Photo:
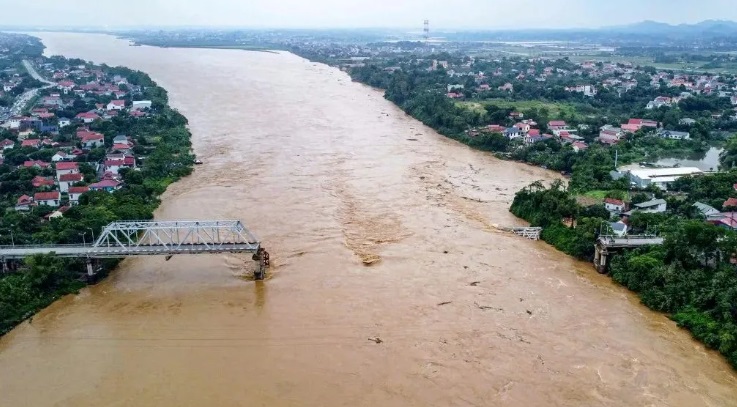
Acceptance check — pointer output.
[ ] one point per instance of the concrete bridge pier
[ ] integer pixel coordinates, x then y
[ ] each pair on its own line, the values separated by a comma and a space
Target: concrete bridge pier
90, 269
600, 259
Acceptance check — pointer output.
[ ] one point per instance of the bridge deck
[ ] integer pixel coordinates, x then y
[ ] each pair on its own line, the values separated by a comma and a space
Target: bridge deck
624, 242
19, 252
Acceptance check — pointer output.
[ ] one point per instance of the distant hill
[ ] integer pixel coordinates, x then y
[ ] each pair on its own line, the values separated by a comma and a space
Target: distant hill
709, 28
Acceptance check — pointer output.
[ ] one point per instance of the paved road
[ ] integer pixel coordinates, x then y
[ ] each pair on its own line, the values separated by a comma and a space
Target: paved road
34, 74
20, 104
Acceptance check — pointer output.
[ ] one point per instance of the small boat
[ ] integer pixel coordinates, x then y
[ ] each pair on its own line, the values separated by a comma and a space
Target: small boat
198, 162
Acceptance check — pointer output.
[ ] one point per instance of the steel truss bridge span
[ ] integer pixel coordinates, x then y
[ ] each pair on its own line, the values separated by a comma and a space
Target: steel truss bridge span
150, 238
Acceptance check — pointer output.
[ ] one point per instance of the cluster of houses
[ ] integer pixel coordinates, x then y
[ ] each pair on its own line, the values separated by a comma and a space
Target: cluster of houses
39, 129
527, 131
611, 135
726, 218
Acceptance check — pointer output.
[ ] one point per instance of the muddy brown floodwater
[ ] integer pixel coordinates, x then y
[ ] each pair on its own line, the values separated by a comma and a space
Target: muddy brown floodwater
328, 173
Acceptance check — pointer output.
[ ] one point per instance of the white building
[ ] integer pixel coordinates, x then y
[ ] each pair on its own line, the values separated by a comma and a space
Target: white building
652, 206
140, 104
660, 177
614, 205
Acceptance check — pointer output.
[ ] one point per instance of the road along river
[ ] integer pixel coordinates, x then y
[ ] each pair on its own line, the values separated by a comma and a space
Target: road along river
329, 174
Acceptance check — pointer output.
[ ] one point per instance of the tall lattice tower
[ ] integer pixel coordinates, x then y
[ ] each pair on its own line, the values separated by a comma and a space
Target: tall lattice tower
426, 30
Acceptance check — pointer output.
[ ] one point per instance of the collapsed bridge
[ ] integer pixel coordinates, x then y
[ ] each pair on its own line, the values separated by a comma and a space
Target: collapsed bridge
152, 238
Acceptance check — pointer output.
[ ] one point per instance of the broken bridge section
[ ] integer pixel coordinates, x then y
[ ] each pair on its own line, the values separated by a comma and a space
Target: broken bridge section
147, 238
607, 245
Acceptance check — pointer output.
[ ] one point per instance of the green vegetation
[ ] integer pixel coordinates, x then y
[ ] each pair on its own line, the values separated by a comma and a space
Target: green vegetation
44, 280
553, 109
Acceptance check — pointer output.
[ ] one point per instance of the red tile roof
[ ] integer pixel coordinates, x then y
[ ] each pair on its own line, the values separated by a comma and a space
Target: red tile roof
731, 202
67, 165
613, 201
78, 190
39, 181
45, 196
24, 200
33, 163
30, 143
106, 183
71, 177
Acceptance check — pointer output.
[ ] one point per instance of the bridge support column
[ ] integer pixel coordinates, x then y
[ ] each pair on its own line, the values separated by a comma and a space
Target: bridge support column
600, 259
90, 269
262, 257
5, 266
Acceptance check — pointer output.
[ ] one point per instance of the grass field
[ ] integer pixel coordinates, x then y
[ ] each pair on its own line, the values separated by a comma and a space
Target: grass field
554, 108
648, 61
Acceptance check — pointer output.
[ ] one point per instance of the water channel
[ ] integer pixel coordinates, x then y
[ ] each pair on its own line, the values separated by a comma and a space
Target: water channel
330, 175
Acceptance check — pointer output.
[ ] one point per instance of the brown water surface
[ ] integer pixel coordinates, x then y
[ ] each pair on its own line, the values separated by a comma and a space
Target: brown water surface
325, 171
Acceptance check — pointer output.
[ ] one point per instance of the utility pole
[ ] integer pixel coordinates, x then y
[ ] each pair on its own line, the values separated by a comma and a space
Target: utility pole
616, 158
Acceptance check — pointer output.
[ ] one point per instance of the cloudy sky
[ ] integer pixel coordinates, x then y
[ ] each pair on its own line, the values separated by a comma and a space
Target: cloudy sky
448, 14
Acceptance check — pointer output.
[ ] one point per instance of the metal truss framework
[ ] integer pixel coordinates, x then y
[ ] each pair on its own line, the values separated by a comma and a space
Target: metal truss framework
139, 238
175, 235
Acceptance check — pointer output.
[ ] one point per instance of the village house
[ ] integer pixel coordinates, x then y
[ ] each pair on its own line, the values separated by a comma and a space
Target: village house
67, 180
88, 117
140, 105
614, 205
557, 125
610, 135
579, 146
40, 182
34, 143
660, 101
587, 90
36, 163
47, 198
730, 203
495, 128
7, 144
674, 135
63, 156
24, 203
636, 124
52, 101
120, 104
91, 139
705, 209
523, 127
75, 193
66, 167
652, 206
64, 122
512, 133
65, 86
107, 185
115, 162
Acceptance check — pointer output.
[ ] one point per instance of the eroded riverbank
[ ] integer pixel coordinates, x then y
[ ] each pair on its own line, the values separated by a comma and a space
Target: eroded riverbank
324, 171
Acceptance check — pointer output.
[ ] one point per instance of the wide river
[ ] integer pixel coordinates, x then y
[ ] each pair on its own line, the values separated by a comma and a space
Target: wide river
330, 174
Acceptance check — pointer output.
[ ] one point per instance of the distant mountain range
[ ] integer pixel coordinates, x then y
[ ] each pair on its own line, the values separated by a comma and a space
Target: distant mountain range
709, 28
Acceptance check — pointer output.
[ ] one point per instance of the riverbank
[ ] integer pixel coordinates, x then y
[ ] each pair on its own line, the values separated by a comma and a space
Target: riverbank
156, 154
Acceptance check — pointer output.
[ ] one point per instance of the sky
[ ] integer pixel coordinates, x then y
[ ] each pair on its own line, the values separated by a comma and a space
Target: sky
443, 14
